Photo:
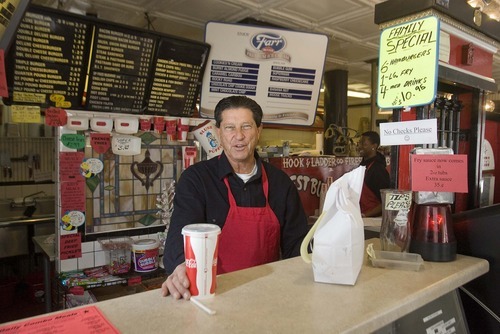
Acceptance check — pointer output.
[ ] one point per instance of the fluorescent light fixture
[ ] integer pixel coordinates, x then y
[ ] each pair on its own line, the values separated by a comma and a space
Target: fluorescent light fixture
352, 93
384, 111
359, 95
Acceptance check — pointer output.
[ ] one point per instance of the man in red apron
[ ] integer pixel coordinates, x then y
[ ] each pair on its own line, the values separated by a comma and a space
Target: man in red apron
376, 175
256, 205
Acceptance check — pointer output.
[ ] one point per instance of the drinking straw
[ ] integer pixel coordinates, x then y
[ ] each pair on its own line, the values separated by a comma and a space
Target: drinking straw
203, 307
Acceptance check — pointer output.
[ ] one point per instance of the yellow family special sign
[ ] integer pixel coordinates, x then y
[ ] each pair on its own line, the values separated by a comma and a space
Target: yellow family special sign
408, 63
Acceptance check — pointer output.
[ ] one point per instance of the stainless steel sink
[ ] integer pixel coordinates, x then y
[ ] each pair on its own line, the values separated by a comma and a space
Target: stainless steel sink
17, 228
45, 205
36, 208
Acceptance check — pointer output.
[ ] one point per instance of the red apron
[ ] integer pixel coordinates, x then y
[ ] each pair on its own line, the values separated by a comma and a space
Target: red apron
250, 235
368, 198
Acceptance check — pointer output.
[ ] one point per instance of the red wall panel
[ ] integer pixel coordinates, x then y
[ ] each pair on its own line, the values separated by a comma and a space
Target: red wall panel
482, 63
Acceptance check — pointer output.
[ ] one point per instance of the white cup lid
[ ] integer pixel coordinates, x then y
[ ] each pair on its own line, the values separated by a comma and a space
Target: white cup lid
200, 229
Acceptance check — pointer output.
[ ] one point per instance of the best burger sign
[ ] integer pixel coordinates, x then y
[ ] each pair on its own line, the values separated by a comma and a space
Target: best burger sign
310, 173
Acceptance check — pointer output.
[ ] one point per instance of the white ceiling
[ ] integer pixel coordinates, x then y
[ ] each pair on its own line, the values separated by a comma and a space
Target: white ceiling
353, 35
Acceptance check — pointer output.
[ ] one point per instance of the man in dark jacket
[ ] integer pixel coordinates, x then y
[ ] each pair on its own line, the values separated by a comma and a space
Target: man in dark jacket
255, 204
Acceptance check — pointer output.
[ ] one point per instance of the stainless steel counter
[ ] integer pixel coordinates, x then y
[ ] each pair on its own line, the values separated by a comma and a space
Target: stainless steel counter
21, 219
16, 233
46, 243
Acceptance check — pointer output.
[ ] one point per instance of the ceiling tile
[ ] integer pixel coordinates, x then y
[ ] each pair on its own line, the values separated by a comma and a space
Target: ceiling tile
322, 9
354, 37
362, 27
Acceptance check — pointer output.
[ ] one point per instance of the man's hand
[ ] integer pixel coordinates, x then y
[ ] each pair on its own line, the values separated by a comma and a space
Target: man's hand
177, 284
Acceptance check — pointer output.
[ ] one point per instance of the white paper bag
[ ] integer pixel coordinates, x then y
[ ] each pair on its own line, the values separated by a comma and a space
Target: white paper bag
338, 249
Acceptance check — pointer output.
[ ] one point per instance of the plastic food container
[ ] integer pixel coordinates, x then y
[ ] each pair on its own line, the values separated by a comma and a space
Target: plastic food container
100, 124
146, 255
78, 123
119, 254
397, 260
126, 125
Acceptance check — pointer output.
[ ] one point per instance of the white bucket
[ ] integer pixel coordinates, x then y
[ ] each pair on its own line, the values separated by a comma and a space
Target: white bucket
145, 255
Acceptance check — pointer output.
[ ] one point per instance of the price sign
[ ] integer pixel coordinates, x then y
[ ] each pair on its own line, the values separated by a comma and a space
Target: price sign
25, 114
71, 246
408, 63
119, 72
433, 172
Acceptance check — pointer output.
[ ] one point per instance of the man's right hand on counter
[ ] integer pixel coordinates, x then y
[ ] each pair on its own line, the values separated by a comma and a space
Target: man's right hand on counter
177, 284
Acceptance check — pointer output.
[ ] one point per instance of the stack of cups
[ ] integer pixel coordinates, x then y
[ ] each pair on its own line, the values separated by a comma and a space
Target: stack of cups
159, 124
171, 125
182, 128
200, 250
145, 123
188, 156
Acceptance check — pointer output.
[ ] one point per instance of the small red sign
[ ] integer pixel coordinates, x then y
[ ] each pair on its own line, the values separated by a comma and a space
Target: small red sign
69, 165
4, 91
87, 319
100, 142
134, 280
55, 116
71, 246
437, 172
73, 195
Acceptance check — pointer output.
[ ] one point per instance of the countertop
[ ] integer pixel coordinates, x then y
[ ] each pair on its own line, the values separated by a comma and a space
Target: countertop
282, 297
46, 245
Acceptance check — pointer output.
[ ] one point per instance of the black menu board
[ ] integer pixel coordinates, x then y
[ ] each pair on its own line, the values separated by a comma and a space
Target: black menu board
78, 62
11, 13
119, 71
49, 60
176, 77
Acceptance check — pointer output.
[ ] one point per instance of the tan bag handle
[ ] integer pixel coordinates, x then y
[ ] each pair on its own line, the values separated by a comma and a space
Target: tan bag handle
307, 239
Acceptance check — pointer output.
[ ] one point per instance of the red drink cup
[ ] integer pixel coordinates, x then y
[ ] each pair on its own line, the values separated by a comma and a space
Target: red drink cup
200, 249
188, 156
145, 123
159, 124
171, 128
182, 128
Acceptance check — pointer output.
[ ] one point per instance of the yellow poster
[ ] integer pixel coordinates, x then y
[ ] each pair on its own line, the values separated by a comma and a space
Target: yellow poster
25, 114
408, 64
